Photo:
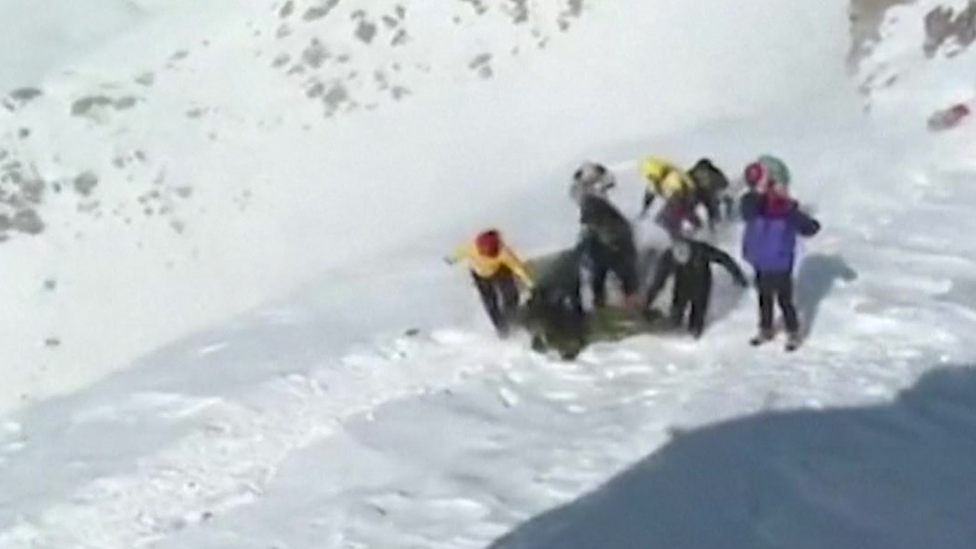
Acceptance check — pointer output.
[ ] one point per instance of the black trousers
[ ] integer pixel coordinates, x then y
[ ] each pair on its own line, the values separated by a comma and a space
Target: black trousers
500, 296
622, 262
697, 299
778, 287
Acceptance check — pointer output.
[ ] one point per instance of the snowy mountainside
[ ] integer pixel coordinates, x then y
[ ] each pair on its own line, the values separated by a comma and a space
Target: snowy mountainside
255, 434
37, 43
914, 61
143, 184
316, 420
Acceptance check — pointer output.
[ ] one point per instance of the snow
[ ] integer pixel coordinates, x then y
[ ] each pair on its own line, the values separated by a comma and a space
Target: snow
37, 43
198, 181
899, 76
280, 359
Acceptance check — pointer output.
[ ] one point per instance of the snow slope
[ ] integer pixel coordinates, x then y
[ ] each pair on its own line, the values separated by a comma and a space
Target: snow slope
144, 185
37, 42
313, 420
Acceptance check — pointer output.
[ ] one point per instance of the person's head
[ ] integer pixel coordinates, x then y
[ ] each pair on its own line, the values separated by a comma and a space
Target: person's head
489, 243
703, 164
653, 169
776, 169
756, 175
588, 172
779, 190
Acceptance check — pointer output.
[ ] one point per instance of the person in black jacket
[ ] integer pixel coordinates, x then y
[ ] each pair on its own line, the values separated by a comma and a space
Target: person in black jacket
689, 262
607, 243
554, 311
711, 188
592, 178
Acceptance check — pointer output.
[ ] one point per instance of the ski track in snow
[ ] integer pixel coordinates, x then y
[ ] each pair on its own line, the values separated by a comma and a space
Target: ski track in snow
235, 448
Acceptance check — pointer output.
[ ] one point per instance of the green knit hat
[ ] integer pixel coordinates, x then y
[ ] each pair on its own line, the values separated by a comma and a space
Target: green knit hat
775, 168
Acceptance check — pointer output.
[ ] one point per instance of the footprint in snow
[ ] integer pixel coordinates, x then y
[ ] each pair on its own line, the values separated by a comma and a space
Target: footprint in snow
12, 447
561, 396
630, 369
211, 349
451, 337
508, 397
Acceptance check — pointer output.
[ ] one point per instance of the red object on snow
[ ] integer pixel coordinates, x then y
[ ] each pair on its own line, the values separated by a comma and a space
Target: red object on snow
949, 118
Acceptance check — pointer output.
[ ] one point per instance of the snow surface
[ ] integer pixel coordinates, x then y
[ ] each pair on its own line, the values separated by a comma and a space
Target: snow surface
277, 400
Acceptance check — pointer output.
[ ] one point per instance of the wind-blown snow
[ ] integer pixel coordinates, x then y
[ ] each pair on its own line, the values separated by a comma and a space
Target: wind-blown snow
300, 206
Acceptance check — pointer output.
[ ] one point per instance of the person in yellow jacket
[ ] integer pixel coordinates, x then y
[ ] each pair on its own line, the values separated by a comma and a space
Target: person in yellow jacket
676, 187
494, 268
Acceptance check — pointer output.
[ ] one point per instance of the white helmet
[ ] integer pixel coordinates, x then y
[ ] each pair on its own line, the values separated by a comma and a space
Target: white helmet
589, 173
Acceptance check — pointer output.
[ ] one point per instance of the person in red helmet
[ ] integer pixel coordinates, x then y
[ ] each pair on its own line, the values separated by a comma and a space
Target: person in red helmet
494, 268
774, 222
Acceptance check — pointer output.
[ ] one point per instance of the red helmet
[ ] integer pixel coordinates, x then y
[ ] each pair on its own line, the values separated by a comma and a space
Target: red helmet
755, 173
489, 243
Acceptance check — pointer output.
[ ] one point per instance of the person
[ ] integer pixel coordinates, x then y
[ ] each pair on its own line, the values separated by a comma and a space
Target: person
607, 243
711, 190
494, 269
554, 312
772, 222
591, 178
677, 188
689, 262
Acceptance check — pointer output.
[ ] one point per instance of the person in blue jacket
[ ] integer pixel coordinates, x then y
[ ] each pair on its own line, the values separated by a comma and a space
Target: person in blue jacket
773, 220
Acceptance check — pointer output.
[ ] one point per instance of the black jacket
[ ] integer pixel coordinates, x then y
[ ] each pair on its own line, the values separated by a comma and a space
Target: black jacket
603, 224
694, 277
709, 177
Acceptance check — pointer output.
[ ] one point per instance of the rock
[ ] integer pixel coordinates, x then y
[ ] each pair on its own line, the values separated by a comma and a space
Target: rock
85, 183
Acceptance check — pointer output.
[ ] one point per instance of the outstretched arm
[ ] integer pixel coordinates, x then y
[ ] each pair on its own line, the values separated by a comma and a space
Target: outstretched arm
649, 197
459, 253
805, 224
716, 255
513, 262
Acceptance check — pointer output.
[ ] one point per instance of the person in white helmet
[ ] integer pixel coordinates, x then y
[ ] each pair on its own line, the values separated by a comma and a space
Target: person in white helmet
591, 179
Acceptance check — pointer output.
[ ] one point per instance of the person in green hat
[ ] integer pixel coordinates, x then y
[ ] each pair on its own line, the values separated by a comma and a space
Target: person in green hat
773, 223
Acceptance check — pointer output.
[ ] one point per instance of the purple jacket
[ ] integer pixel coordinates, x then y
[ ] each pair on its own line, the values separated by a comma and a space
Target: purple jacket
769, 240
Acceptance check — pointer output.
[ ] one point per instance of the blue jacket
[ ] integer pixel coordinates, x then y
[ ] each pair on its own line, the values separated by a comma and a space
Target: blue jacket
769, 240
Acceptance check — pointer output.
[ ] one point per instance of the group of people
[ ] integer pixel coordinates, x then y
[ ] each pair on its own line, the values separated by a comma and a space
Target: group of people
606, 246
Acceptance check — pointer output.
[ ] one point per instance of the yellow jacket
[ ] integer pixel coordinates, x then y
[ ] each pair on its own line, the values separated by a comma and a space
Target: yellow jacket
665, 178
486, 267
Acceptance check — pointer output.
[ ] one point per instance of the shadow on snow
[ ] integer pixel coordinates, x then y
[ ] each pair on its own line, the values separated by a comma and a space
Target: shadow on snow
894, 476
